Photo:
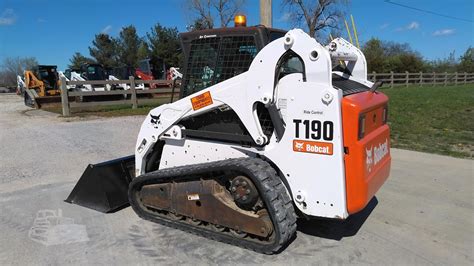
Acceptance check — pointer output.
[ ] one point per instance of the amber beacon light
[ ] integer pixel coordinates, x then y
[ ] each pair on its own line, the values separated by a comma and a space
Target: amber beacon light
240, 21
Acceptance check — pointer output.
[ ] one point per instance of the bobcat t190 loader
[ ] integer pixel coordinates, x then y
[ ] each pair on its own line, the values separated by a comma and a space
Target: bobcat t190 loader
265, 132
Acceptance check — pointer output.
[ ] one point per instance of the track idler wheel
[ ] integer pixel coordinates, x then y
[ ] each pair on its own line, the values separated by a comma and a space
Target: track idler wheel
244, 192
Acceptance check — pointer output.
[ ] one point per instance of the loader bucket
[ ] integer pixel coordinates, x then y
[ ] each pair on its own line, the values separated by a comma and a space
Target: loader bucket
104, 187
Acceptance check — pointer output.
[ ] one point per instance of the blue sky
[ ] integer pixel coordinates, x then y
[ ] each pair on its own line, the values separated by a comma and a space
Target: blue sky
53, 30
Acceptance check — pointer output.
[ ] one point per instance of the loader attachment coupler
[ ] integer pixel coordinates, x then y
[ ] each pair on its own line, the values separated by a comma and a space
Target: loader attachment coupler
104, 187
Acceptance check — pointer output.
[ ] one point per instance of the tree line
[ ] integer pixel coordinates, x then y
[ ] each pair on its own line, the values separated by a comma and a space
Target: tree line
127, 49
385, 56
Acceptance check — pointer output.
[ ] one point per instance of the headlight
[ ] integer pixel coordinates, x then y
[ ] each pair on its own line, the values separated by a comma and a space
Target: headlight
385, 115
361, 126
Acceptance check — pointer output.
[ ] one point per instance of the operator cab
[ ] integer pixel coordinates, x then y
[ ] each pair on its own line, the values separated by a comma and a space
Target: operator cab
215, 55
49, 75
153, 68
93, 72
123, 72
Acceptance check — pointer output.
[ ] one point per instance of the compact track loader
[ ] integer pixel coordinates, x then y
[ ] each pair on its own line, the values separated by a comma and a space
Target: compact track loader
41, 85
91, 72
269, 127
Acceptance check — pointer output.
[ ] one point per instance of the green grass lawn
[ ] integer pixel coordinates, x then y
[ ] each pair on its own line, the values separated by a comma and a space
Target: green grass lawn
433, 119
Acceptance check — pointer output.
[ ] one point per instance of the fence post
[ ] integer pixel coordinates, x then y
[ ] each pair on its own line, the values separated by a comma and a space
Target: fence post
374, 78
391, 79
65, 97
133, 98
465, 78
445, 78
421, 79
407, 77
434, 79
456, 78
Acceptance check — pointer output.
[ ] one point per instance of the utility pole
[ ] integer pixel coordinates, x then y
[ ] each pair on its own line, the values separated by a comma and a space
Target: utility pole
266, 13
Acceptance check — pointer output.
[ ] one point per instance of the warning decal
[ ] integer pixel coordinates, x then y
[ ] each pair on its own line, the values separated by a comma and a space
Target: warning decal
313, 147
201, 100
193, 197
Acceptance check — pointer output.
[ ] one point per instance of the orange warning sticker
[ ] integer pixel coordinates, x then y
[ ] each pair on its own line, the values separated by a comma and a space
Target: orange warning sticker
312, 147
201, 100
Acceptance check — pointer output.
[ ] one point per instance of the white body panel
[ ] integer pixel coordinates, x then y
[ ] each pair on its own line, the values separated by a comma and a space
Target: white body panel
86, 87
20, 83
138, 86
316, 181
179, 152
175, 74
69, 87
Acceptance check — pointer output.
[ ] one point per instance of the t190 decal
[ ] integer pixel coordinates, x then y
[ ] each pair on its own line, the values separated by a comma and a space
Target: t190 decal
314, 129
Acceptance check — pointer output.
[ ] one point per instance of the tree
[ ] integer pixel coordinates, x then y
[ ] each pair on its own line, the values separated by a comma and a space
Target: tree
164, 44
199, 24
466, 61
383, 57
317, 15
13, 66
374, 55
104, 50
448, 64
78, 60
206, 12
202, 11
226, 10
143, 51
128, 44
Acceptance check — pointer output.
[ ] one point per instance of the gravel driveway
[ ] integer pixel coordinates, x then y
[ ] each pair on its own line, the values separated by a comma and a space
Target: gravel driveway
423, 214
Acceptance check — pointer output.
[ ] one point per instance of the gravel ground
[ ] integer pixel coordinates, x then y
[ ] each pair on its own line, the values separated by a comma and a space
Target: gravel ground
423, 214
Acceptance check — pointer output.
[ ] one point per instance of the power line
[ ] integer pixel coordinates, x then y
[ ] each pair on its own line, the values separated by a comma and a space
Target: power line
428, 11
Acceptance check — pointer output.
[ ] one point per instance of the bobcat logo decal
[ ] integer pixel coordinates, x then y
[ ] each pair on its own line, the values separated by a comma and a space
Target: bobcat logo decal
155, 120
376, 154
299, 146
368, 159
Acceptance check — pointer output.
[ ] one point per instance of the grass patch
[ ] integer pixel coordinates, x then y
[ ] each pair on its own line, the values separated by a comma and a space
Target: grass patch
433, 119
111, 110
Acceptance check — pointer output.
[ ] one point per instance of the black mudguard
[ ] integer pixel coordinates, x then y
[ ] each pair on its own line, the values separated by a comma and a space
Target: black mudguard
104, 187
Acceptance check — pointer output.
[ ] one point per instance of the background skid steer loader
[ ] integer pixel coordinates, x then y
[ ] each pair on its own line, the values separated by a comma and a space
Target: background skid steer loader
265, 132
41, 86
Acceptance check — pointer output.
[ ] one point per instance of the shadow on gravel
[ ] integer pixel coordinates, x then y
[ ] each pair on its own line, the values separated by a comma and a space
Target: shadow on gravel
337, 229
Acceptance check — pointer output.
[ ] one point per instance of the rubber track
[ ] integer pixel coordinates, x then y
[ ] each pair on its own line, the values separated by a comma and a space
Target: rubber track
271, 190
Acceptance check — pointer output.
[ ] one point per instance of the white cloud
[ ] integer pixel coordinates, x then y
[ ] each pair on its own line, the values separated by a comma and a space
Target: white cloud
412, 26
384, 26
443, 32
107, 29
285, 17
7, 17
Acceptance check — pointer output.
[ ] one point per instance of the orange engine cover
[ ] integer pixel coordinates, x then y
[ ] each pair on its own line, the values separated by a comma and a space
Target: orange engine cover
367, 160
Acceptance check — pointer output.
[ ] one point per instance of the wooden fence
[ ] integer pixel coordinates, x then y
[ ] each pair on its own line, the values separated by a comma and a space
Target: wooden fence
421, 79
169, 91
